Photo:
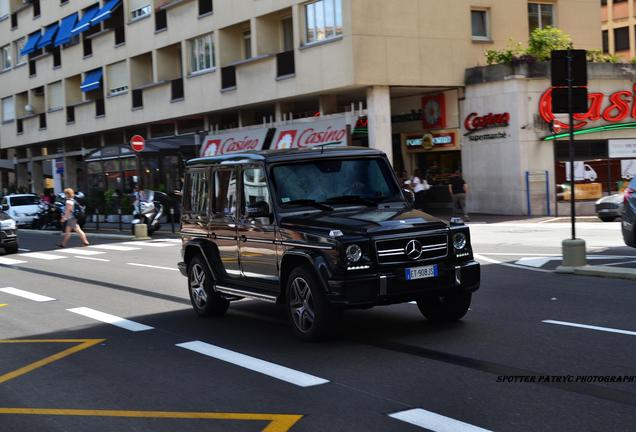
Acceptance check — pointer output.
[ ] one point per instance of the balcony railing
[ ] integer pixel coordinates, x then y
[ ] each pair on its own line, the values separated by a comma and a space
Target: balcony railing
228, 77
285, 64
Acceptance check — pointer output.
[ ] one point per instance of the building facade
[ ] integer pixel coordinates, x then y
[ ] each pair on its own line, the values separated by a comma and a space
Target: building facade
618, 23
81, 77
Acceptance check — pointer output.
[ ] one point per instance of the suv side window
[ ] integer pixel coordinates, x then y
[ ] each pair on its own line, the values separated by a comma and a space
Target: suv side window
255, 189
197, 192
224, 206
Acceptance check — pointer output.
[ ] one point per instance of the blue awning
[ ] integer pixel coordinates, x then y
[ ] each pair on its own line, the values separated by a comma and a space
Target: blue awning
66, 26
47, 38
92, 80
31, 44
105, 12
85, 22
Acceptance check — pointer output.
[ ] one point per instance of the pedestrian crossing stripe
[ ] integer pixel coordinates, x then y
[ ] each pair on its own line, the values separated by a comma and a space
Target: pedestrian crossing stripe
44, 256
277, 422
82, 344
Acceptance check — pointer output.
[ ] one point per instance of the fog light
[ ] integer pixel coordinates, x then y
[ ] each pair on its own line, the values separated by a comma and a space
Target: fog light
354, 253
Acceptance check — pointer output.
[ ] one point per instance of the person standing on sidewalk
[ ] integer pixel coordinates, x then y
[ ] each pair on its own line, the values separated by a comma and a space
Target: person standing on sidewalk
69, 219
458, 189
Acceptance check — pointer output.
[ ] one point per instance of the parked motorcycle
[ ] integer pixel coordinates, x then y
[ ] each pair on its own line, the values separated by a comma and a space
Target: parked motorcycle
149, 211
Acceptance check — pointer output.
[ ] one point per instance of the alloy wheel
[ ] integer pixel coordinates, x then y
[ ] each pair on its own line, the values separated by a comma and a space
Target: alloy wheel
197, 286
301, 305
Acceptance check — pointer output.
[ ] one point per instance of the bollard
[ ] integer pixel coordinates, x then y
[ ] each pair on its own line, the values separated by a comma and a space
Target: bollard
141, 232
96, 219
172, 218
119, 212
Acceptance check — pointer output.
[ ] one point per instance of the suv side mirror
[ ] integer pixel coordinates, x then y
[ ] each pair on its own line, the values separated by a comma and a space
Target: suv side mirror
410, 196
260, 209
5, 207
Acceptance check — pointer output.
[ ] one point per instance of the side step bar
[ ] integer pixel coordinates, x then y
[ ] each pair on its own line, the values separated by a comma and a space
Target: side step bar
248, 294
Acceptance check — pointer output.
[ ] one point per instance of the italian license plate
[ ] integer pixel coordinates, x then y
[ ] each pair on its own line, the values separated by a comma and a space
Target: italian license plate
421, 272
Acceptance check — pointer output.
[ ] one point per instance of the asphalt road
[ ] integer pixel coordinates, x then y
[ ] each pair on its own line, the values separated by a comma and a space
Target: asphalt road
155, 366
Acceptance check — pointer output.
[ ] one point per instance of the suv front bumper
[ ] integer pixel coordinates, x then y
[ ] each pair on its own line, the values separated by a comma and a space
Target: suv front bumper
8, 238
390, 286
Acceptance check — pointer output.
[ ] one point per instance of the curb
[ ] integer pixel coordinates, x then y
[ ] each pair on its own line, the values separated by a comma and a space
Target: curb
599, 271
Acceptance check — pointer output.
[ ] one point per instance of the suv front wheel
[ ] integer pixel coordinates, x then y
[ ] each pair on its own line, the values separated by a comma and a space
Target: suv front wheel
205, 301
447, 308
306, 304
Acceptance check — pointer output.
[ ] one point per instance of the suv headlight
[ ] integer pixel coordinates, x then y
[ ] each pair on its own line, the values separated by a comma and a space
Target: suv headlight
354, 253
459, 241
8, 224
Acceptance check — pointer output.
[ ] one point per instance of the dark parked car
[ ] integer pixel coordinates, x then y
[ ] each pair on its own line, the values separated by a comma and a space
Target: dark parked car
629, 214
609, 208
318, 230
8, 232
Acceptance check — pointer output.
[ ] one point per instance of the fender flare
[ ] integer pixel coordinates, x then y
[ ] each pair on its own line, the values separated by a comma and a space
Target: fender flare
314, 258
205, 249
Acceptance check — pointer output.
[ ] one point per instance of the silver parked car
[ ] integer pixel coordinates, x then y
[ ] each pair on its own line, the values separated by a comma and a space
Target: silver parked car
610, 207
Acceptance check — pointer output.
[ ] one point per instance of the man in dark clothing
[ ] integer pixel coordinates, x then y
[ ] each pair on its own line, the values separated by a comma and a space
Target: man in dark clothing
458, 189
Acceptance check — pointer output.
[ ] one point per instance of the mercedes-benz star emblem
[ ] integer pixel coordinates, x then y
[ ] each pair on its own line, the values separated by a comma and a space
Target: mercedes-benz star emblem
413, 249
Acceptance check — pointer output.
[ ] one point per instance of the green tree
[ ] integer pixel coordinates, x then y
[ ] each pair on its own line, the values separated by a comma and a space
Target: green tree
543, 41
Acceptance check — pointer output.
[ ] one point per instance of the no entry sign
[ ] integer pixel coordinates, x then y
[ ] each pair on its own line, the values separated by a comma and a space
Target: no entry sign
137, 143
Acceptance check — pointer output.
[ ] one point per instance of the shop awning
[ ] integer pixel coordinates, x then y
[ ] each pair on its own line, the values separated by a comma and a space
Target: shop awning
105, 12
31, 44
66, 27
47, 37
92, 80
85, 22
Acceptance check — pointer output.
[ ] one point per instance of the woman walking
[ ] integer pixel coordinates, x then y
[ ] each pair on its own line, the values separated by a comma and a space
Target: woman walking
70, 219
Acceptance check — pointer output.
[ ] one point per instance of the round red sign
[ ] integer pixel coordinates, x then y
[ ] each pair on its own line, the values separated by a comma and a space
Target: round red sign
137, 143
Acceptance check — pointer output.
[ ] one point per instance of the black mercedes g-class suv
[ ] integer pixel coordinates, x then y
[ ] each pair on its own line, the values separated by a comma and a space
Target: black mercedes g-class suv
319, 230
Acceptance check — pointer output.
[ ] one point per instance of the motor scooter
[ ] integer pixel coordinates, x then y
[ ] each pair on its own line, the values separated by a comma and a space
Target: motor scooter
149, 211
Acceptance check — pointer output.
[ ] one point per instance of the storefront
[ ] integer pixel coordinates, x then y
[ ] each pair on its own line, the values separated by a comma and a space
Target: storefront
517, 160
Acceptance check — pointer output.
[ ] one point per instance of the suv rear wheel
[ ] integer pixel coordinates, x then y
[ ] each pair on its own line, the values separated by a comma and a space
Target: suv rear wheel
205, 301
447, 308
306, 304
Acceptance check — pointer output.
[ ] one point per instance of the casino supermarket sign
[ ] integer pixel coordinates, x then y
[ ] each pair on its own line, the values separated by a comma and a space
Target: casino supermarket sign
617, 109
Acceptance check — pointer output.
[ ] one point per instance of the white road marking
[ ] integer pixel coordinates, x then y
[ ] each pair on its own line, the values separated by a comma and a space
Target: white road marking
110, 319
115, 247
549, 220
153, 266
519, 254
175, 241
505, 264
620, 263
283, 373
93, 259
590, 327
151, 244
26, 294
83, 252
24, 250
43, 256
10, 261
536, 262
434, 422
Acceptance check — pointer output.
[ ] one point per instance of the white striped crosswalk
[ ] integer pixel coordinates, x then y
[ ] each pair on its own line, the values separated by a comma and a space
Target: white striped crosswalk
42, 256
82, 252
10, 261
112, 247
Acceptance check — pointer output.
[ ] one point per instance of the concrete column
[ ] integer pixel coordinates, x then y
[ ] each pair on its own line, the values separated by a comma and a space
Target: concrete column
70, 172
37, 177
22, 177
328, 104
281, 109
379, 115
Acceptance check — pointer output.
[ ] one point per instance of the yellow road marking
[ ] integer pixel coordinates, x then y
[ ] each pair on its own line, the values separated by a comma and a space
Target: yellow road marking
82, 345
3, 305
277, 422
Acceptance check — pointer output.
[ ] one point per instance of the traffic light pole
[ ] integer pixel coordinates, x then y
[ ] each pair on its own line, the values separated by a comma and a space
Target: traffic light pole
571, 146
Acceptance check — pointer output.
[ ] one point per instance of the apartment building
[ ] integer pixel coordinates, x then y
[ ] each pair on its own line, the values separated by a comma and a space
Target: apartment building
618, 24
79, 78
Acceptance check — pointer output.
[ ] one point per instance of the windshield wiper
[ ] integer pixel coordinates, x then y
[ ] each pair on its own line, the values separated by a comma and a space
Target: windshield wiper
310, 203
352, 199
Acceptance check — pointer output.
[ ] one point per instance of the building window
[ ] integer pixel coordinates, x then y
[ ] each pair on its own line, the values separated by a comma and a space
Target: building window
4, 8
202, 53
205, 7
8, 109
117, 78
621, 39
540, 15
17, 48
247, 44
605, 37
287, 29
323, 20
140, 12
36, 8
161, 20
6, 61
55, 96
480, 23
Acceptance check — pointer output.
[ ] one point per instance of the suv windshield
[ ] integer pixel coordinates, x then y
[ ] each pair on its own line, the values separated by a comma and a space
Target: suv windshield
336, 181
24, 200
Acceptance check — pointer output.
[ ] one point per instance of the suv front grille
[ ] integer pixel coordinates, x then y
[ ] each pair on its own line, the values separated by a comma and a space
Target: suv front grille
394, 250
7, 233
